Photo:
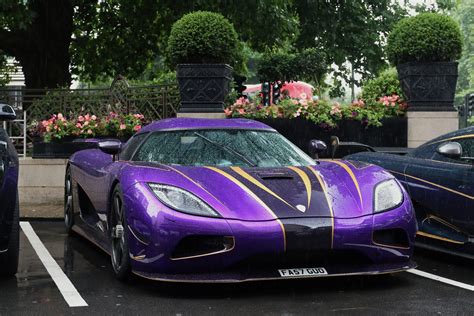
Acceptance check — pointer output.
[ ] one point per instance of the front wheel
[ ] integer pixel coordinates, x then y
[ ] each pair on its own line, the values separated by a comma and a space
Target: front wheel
9, 258
68, 202
119, 237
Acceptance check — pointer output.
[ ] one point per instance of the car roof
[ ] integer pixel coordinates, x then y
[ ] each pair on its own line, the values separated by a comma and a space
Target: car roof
459, 132
201, 123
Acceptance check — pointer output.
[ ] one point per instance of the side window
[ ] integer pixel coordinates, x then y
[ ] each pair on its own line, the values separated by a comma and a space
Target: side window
467, 145
132, 145
425, 152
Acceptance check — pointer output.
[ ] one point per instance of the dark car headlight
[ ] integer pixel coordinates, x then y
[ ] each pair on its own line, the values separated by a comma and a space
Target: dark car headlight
182, 200
387, 195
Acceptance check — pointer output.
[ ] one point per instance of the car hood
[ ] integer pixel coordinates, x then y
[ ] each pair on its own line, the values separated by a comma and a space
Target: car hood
330, 189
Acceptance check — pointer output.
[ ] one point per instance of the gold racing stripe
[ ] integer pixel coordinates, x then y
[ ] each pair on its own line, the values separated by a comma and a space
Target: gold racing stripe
306, 181
200, 186
245, 175
351, 174
324, 187
420, 233
434, 184
254, 196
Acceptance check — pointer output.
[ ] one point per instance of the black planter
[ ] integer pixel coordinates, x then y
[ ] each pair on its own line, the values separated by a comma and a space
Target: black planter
64, 148
429, 86
203, 87
393, 132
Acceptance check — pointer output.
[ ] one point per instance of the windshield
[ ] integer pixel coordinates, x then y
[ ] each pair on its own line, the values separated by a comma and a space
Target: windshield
225, 147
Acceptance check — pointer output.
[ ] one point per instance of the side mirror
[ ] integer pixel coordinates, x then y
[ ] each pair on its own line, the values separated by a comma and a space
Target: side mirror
451, 150
7, 113
316, 147
110, 146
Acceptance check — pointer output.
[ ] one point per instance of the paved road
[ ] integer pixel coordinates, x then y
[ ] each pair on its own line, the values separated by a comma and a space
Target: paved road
34, 292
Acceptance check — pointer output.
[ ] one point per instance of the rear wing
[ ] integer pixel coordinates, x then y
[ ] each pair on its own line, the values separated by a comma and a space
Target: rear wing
340, 149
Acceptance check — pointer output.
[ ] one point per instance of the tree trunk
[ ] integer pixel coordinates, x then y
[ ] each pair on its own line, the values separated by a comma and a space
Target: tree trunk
44, 55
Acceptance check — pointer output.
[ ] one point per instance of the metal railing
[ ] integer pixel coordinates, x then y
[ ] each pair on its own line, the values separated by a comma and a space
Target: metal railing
155, 102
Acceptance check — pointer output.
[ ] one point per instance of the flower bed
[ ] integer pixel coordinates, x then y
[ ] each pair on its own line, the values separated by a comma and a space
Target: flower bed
380, 123
60, 137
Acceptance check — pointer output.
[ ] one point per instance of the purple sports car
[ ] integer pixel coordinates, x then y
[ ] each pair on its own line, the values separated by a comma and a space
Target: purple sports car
207, 200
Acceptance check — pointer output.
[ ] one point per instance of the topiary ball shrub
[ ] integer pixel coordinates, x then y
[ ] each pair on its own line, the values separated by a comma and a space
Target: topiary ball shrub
385, 84
427, 37
204, 38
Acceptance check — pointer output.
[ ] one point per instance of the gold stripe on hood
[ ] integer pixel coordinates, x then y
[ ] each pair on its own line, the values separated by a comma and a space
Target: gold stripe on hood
324, 188
306, 181
351, 174
245, 175
254, 196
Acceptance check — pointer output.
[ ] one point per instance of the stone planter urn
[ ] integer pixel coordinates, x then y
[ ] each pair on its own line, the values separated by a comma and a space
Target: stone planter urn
203, 87
429, 86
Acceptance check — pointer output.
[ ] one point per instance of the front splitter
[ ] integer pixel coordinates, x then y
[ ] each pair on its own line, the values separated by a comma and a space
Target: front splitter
236, 276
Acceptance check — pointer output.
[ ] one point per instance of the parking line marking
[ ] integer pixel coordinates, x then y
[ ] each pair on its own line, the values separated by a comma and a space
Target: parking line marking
65, 286
441, 279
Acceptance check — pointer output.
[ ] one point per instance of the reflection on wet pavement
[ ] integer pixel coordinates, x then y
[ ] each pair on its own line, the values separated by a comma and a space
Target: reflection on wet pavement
33, 291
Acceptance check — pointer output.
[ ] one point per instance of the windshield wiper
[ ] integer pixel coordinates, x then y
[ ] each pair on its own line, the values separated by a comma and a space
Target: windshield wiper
227, 149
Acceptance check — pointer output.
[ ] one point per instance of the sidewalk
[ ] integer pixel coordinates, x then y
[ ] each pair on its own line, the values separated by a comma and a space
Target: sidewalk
41, 210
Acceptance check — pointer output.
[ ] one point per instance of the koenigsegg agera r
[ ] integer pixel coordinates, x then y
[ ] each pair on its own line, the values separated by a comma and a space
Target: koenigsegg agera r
211, 200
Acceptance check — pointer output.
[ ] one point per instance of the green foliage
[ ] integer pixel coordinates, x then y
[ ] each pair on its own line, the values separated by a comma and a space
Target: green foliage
204, 38
385, 84
353, 31
427, 37
308, 65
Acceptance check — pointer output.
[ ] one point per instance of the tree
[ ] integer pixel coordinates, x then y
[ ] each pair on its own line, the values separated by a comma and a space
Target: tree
98, 39
349, 31
38, 33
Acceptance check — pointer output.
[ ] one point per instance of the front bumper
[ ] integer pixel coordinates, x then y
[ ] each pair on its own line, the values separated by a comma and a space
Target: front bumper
260, 248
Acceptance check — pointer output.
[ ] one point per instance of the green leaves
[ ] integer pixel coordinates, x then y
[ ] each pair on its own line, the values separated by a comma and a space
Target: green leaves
427, 37
204, 37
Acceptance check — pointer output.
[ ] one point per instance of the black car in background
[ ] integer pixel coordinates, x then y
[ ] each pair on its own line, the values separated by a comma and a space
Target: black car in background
439, 176
9, 208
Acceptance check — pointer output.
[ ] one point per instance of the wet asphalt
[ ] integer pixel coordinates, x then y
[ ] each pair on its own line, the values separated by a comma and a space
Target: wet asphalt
33, 292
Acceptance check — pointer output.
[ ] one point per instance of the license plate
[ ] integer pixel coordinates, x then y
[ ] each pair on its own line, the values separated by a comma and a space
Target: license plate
291, 273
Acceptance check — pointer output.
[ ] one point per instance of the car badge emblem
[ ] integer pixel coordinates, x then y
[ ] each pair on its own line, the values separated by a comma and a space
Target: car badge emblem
301, 208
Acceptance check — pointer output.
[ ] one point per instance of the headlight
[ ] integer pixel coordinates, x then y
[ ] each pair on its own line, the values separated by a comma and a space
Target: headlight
182, 200
388, 195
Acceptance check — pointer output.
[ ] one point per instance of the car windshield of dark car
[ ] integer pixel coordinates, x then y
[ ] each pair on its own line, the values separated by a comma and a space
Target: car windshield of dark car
224, 147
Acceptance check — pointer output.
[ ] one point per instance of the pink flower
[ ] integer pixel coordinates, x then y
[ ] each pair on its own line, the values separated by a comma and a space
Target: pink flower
298, 113
93, 117
336, 109
61, 117
228, 112
137, 128
78, 125
89, 131
87, 117
123, 126
80, 118
241, 111
303, 102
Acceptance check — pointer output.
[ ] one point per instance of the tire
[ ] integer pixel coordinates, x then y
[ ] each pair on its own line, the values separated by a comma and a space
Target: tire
68, 202
9, 259
120, 255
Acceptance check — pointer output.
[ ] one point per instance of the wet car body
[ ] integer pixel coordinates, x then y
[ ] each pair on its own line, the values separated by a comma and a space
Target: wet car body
301, 220
441, 188
9, 208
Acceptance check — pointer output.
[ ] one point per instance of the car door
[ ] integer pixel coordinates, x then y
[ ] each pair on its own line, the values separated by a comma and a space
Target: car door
444, 187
